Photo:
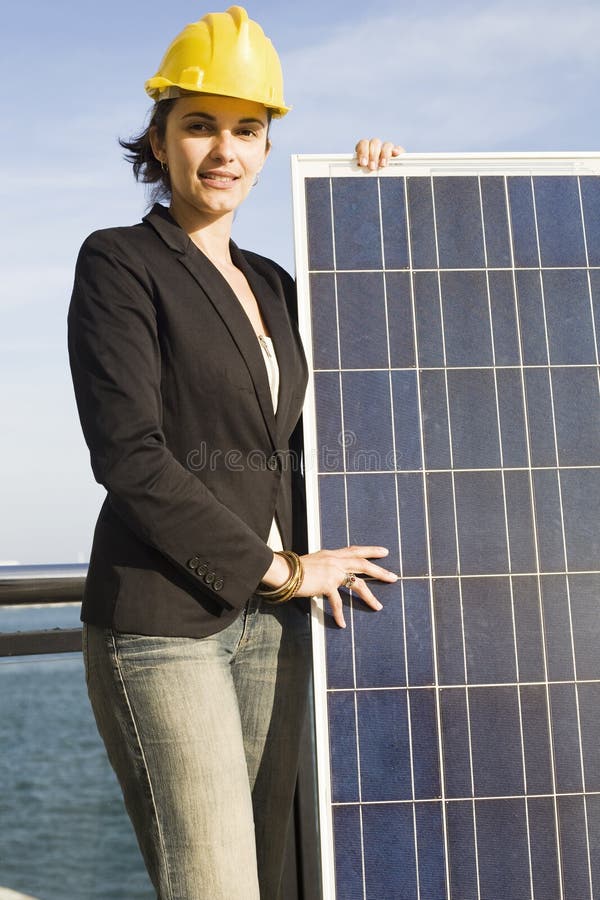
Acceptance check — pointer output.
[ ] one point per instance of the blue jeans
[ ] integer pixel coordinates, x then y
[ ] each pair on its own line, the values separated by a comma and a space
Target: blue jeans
203, 734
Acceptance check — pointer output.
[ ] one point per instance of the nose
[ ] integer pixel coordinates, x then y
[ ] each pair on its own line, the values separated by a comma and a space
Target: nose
222, 148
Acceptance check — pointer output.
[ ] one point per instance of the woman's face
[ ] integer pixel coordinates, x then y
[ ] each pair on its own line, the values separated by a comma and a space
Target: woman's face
214, 148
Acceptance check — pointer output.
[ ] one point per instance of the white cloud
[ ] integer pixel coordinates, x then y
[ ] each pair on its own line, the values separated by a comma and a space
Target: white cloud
490, 77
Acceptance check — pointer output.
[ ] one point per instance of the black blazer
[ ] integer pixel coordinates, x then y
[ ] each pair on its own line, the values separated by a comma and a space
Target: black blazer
175, 406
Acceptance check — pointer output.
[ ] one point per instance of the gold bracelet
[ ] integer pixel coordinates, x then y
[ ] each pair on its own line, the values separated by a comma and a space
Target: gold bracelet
286, 591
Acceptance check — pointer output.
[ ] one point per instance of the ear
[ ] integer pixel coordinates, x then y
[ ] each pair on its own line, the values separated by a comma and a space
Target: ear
156, 144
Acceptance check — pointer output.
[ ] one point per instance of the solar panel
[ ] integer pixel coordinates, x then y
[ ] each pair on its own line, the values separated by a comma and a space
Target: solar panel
450, 307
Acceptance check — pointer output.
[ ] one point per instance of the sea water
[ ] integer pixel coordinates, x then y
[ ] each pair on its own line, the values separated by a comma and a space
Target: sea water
64, 833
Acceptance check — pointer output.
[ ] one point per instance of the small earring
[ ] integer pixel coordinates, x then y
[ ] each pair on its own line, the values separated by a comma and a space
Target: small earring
255, 182
164, 167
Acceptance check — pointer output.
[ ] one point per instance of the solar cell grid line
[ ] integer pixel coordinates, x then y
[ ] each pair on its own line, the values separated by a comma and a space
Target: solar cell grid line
394, 450
458, 553
563, 535
450, 308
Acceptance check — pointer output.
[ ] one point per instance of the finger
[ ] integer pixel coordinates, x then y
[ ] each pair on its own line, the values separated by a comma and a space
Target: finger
398, 150
374, 151
386, 152
362, 152
360, 550
337, 608
365, 594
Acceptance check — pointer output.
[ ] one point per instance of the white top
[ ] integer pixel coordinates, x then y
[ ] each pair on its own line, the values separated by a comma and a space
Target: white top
270, 358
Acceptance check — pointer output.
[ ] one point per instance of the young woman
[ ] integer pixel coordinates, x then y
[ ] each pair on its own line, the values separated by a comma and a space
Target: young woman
189, 377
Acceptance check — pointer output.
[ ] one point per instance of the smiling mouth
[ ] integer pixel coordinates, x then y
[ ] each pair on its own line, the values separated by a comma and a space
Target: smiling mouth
220, 179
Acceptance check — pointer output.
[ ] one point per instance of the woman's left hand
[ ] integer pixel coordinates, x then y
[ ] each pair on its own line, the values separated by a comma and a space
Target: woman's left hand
374, 154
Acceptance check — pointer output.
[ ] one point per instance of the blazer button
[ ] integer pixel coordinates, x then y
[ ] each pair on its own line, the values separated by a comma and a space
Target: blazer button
273, 463
218, 584
194, 562
202, 570
209, 577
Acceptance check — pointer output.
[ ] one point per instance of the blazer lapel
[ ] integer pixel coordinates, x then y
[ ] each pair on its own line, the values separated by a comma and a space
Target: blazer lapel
225, 302
274, 311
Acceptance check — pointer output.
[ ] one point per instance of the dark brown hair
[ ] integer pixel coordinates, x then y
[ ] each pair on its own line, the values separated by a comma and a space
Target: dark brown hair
146, 167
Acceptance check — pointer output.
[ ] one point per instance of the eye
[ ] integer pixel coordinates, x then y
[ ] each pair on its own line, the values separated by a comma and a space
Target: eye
248, 132
199, 127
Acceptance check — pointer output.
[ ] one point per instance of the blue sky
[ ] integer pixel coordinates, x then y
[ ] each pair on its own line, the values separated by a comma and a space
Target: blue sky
519, 75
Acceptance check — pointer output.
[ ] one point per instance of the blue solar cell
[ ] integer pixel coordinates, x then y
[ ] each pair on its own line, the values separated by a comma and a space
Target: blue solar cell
489, 634
589, 711
581, 501
557, 629
590, 196
318, 214
448, 629
512, 417
413, 535
504, 318
455, 742
442, 532
519, 519
421, 223
379, 640
329, 421
357, 232
466, 311
400, 319
540, 417
348, 852
424, 740
344, 759
462, 858
595, 285
536, 738
472, 404
584, 592
481, 524
436, 431
430, 844
548, 520
542, 840
574, 857
502, 846
390, 864
528, 625
430, 337
495, 217
569, 317
497, 765
367, 401
419, 639
522, 221
406, 420
592, 803
384, 745
565, 738
362, 348
558, 213
393, 218
372, 514
332, 511
531, 318
324, 321
340, 669
577, 413
458, 222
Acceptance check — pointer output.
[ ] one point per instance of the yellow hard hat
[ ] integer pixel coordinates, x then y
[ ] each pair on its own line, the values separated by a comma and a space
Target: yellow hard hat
224, 53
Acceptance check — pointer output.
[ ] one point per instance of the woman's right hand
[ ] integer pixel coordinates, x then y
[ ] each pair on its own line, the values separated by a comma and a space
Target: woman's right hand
326, 571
